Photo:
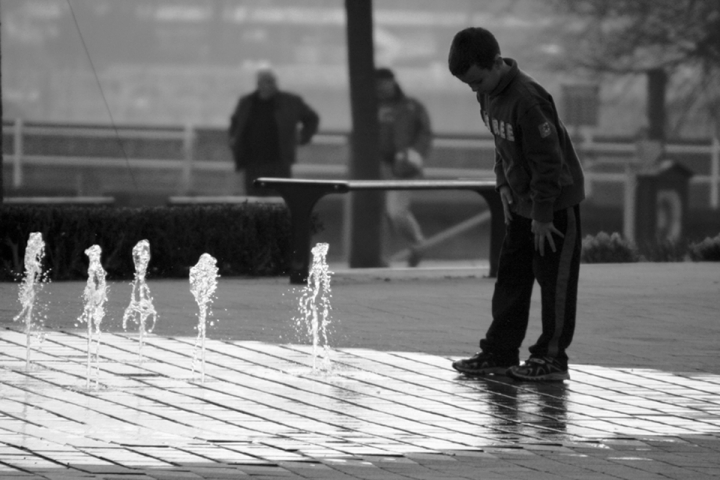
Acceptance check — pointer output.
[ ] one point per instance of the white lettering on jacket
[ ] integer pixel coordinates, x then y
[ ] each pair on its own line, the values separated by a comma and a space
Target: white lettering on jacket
498, 127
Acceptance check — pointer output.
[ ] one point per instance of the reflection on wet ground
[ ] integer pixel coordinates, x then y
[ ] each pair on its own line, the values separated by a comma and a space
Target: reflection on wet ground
261, 408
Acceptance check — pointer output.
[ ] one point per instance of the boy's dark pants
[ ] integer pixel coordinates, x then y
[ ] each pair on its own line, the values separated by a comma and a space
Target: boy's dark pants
556, 272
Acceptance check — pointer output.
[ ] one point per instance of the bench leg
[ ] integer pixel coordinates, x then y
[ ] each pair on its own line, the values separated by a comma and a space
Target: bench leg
300, 258
300, 201
301, 205
497, 228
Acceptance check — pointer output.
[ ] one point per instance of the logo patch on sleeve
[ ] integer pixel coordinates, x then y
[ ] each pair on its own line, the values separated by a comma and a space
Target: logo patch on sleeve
545, 130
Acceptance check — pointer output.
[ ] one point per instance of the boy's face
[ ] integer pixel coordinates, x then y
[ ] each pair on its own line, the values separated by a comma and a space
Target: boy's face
482, 80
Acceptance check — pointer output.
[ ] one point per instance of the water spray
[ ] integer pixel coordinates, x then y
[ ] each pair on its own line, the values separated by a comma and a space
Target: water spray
203, 283
31, 283
314, 307
141, 307
95, 296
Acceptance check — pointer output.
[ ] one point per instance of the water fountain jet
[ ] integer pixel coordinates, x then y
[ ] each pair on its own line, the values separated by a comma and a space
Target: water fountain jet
203, 283
31, 283
95, 296
314, 307
141, 306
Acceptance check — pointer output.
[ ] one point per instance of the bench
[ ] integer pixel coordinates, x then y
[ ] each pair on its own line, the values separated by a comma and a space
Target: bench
301, 195
48, 200
220, 200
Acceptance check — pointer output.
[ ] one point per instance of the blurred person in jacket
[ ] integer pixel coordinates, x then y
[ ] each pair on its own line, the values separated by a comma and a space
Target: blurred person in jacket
405, 141
265, 129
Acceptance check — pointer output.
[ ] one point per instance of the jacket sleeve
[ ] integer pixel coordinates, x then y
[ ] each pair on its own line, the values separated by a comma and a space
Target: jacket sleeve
309, 120
233, 132
500, 179
542, 152
238, 121
423, 135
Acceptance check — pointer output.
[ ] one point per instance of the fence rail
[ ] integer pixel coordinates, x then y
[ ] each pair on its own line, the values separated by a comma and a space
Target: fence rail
190, 150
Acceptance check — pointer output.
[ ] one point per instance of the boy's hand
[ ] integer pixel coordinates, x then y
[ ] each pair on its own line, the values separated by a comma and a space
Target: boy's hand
507, 201
541, 231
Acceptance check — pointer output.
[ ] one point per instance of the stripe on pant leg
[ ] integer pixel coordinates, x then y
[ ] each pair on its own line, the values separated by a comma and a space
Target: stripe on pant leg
563, 277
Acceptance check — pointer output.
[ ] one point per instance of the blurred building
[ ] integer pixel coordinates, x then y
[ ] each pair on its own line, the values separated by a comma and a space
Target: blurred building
186, 61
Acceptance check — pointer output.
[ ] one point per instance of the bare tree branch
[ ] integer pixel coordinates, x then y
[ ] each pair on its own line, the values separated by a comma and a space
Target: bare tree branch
680, 37
629, 36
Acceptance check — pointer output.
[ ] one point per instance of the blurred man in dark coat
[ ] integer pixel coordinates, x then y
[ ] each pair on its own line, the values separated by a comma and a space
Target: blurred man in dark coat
265, 129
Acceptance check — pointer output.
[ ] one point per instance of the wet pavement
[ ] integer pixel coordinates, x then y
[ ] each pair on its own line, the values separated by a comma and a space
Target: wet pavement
643, 401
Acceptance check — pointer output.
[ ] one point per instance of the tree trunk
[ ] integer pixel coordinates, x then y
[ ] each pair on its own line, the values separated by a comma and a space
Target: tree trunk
366, 208
656, 87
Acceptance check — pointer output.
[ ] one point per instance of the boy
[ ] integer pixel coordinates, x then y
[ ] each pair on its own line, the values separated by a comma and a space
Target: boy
541, 184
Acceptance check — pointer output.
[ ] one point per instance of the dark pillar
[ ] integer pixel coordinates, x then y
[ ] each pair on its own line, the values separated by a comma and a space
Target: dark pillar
656, 86
366, 207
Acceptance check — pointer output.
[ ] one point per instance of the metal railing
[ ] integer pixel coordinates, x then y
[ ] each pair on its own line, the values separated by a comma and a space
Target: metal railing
186, 157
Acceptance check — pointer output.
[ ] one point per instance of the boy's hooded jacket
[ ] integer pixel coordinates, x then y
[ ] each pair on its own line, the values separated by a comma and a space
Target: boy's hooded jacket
534, 154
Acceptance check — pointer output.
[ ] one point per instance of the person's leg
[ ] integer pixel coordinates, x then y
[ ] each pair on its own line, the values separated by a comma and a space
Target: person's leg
251, 173
512, 294
237, 182
557, 273
500, 348
397, 208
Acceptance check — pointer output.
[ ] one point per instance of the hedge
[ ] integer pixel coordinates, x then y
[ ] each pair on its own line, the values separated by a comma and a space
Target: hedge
246, 239
612, 248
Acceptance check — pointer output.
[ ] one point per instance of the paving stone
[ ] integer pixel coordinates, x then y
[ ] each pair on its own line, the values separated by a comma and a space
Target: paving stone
172, 475
219, 473
28, 476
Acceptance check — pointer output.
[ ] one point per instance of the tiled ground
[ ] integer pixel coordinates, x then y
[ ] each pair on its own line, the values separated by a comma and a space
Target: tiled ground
262, 412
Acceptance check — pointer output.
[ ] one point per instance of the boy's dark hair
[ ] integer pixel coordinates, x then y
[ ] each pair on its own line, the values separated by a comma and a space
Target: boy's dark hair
472, 46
